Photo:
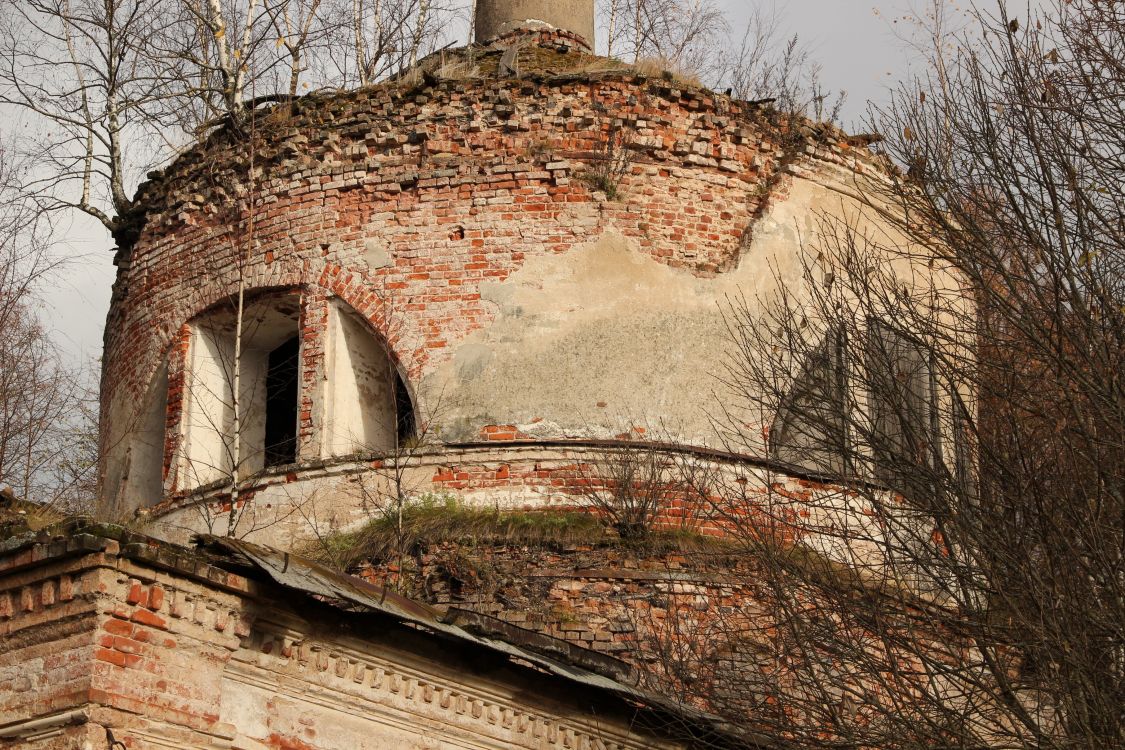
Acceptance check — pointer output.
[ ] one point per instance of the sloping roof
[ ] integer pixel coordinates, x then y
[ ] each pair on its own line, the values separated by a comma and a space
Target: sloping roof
217, 557
570, 663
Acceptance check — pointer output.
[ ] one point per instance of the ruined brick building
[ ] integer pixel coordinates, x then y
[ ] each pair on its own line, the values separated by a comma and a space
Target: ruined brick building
463, 283
520, 250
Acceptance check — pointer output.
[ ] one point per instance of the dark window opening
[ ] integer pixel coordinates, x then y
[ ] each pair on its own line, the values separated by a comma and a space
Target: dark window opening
810, 431
404, 410
281, 403
905, 428
962, 444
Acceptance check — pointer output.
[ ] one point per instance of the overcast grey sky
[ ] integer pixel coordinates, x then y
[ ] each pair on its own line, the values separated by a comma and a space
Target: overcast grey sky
856, 42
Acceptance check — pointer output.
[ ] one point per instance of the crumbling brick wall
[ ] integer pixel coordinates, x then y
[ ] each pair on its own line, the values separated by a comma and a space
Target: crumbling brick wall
695, 622
421, 194
105, 643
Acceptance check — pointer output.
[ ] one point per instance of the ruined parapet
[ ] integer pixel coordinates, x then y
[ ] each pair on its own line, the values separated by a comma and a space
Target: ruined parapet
497, 17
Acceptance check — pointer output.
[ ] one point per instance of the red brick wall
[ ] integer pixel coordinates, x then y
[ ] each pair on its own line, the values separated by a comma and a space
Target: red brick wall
676, 615
147, 641
130, 652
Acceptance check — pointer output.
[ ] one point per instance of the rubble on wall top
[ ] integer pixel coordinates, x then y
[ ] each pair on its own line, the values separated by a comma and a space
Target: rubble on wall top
531, 79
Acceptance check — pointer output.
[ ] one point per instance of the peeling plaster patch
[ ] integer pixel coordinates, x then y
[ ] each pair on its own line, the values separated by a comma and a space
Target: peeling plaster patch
375, 253
605, 323
544, 429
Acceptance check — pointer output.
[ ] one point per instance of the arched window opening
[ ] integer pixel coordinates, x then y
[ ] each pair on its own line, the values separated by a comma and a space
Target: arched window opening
404, 410
898, 432
267, 373
244, 400
962, 439
810, 431
368, 404
905, 431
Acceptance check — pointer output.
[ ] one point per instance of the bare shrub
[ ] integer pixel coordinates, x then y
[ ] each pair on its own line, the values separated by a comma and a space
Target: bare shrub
110, 89
611, 163
640, 488
46, 423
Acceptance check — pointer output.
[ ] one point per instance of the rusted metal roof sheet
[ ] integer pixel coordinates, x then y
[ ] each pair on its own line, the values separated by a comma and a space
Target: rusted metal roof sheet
296, 572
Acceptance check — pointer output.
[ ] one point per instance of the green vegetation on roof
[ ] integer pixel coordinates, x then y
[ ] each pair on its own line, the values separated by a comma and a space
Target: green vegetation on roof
445, 519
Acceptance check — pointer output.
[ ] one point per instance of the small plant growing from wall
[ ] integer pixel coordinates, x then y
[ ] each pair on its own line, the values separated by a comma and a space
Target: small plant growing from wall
610, 163
642, 488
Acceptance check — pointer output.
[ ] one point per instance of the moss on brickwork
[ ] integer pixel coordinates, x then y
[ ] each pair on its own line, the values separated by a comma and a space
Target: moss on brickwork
439, 519
445, 520
603, 597
19, 516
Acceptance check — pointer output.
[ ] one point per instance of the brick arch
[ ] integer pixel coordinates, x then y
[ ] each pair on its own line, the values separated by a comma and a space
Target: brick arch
314, 277
354, 288
303, 276
250, 293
